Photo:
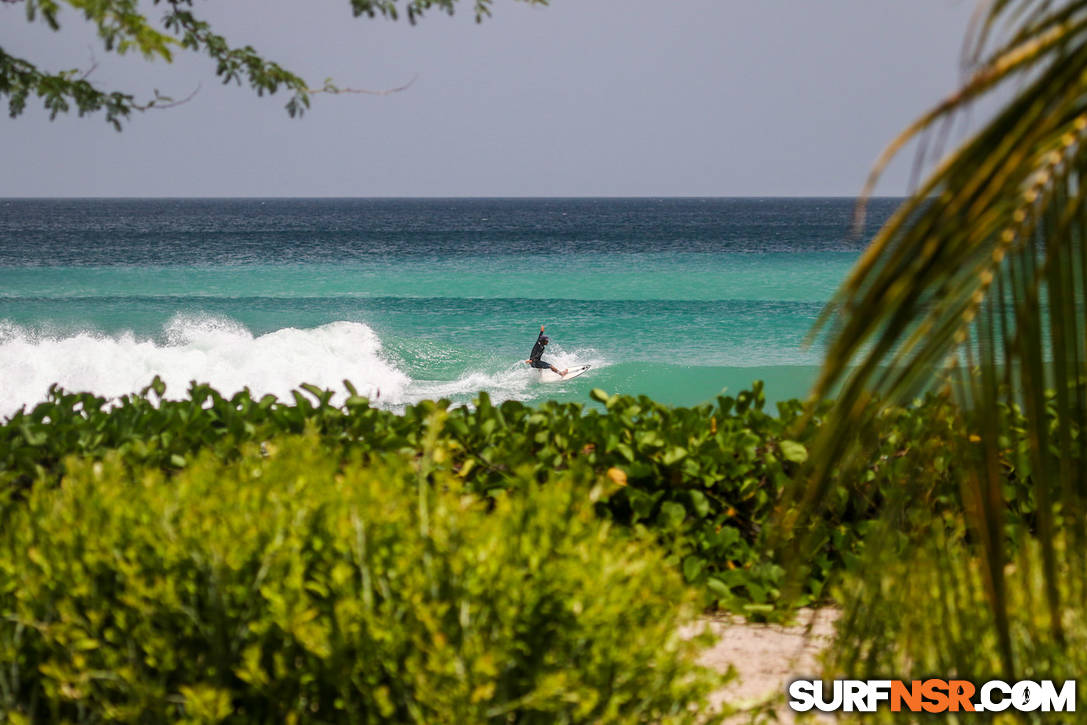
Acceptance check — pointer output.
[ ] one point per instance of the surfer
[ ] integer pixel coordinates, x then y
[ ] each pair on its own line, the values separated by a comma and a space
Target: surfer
537, 350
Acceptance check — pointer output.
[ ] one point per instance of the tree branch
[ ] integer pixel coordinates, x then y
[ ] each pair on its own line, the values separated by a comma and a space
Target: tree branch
331, 88
123, 27
162, 102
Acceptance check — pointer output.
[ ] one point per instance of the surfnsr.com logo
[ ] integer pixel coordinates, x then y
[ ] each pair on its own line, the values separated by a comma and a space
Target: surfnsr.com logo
932, 695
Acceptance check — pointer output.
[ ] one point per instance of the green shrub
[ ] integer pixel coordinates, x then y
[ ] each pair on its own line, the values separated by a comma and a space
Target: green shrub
922, 609
288, 585
706, 477
709, 480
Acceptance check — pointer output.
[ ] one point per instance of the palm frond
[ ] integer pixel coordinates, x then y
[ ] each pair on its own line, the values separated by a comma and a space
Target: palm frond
977, 284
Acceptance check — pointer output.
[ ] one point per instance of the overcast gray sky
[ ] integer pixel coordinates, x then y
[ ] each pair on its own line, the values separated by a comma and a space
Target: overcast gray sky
583, 98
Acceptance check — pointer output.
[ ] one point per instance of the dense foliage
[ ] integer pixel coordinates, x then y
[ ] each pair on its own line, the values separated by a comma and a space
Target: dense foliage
708, 480
980, 280
904, 615
222, 528
289, 586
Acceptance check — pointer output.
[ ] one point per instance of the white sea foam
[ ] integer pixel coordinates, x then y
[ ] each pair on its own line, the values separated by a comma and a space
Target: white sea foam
207, 349
515, 381
223, 353
511, 382
560, 358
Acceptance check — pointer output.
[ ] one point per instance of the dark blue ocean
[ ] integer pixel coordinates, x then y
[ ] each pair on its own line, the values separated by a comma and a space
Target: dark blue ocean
419, 298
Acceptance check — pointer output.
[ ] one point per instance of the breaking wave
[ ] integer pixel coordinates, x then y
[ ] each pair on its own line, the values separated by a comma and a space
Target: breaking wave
228, 356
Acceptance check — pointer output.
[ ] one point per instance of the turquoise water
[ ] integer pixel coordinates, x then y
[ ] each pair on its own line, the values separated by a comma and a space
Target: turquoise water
413, 299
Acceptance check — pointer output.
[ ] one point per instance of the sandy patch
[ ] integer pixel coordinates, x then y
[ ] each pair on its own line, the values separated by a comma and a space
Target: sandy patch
767, 657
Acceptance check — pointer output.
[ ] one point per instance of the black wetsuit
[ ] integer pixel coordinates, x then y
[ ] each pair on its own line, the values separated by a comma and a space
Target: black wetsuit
537, 350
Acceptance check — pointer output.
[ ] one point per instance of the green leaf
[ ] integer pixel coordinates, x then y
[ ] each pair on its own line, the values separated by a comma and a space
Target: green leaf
699, 502
674, 455
672, 514
33, 438
717, 586
692, 567
793, 451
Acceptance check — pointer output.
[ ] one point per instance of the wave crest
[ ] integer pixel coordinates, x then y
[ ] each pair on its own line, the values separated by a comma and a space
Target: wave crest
218, 351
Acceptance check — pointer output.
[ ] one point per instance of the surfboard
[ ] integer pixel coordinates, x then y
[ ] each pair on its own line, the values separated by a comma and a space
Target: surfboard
546, 376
